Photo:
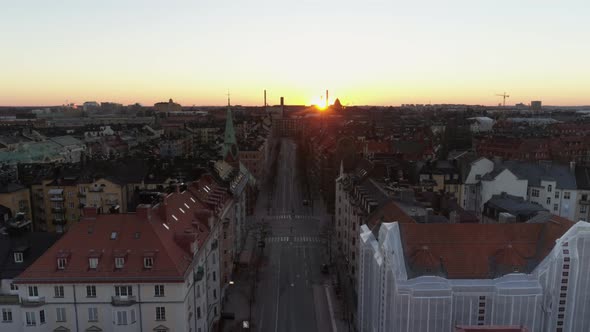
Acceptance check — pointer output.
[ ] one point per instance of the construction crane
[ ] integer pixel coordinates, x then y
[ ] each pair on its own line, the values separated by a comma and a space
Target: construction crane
504, 95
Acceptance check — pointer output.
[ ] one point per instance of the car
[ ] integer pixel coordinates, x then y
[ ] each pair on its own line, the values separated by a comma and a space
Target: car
324, 268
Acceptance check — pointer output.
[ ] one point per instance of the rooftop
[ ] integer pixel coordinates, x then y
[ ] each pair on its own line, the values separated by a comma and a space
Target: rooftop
166, 232
478, 251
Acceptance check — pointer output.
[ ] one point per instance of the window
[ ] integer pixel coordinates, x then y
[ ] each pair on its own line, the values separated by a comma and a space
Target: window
60, 314
93, 314
584, 197
71, 204
30, 318
159, 290
123, 291
535, 192
119, 262
583, 209
121, 317
61, 263
59, 291
132, 316
549, 188
566, 195
557, 194
42, 317
215, 293
148, 262
198, 312
214, 276
93, 263
6, 315
555, 207
160, 313
13, 287
18, 257
33, 291
90, 291
548, 200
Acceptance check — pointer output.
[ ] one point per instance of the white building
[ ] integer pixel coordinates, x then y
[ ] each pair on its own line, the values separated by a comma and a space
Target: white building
481, 124
551, 185
155, 270
433, 277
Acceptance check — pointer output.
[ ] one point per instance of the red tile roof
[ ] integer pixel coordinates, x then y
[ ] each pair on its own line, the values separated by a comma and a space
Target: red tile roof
389, 212
163, 231
478, 251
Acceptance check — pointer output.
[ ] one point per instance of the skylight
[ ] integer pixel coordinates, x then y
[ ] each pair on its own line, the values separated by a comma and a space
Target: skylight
192, 199
166, 226
173, 216
186, 206
113, 235
181, 210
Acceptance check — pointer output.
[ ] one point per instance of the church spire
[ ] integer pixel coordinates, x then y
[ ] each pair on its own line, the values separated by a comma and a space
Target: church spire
230, 144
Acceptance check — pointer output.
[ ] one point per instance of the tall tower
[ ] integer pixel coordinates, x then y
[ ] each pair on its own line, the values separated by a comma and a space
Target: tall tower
230, 144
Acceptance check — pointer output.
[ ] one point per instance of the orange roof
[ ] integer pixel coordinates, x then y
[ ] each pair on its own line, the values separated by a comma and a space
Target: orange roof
163, 232
479, 251
389, 212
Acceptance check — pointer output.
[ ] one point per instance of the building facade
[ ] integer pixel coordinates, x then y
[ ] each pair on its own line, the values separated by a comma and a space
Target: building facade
434, 277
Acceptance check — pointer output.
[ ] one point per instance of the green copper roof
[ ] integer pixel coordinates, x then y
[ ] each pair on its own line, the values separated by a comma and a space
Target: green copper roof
230, 136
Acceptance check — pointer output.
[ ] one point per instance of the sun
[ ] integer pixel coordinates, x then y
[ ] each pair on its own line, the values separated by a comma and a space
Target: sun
319, 103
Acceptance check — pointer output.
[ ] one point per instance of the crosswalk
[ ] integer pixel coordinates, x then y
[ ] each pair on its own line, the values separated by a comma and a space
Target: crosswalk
292, 217
309, 239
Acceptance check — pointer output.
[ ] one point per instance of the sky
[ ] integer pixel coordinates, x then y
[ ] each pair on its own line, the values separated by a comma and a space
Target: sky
365, 52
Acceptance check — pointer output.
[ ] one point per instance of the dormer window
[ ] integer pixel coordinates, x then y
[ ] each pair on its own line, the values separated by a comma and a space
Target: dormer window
93, 263
61, 263
148, 262
18, 257
119, 262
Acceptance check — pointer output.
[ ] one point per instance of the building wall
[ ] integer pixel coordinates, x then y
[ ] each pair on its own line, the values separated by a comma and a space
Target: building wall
104, 195
552, 298
506, 182
18, 201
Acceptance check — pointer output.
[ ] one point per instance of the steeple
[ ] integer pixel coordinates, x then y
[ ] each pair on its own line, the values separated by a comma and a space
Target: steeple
230, 145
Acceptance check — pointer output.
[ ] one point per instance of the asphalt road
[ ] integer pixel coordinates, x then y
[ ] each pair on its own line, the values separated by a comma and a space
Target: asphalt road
292, 257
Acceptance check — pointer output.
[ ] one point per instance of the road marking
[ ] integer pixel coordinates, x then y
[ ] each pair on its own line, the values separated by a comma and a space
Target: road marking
330, 308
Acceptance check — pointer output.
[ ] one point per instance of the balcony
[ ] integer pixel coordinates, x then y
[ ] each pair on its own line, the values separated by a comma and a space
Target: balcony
584, 202
200, 273
81, 195
123, 301
57, 209
32, 301
60, 221
8, 299
56, 198
111, 201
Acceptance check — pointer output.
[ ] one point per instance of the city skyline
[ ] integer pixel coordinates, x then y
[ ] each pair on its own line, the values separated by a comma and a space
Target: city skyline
370, 53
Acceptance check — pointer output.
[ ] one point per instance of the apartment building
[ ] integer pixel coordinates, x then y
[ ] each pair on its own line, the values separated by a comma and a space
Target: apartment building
154, 270
421, 277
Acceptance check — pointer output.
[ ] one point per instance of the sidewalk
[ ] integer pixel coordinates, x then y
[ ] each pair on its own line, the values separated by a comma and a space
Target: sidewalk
237, 299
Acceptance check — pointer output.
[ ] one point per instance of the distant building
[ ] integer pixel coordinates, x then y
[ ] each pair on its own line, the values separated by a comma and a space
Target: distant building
536, 105
167, 107
16, 199
481, 124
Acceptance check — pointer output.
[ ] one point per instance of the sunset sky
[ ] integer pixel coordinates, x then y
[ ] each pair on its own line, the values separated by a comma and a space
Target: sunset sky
365, 52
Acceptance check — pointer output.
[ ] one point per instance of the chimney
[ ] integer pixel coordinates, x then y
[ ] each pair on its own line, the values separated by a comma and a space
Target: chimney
144, 212
283, 106
90, 213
